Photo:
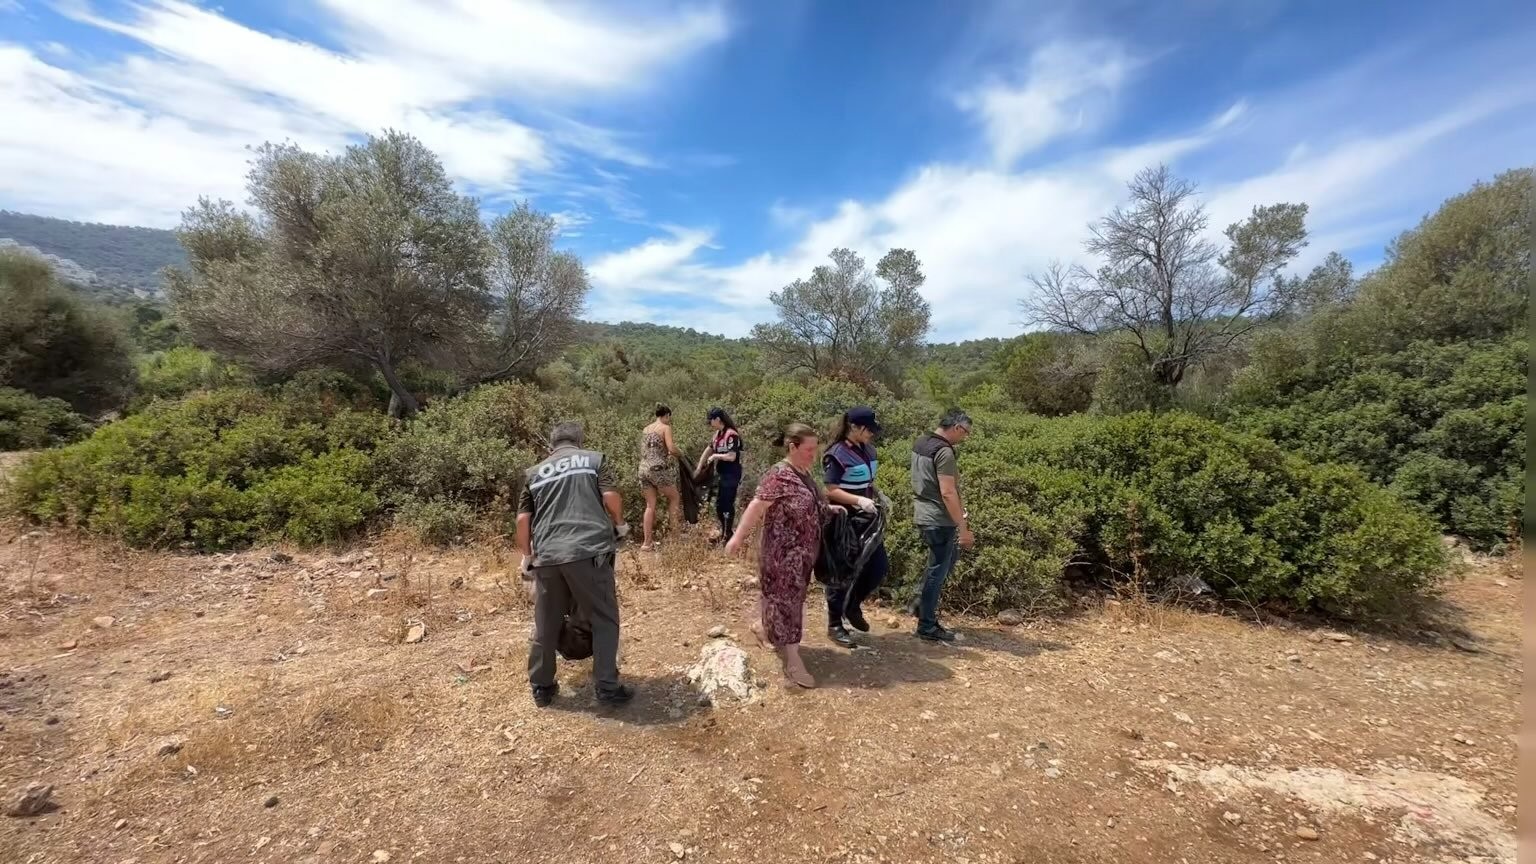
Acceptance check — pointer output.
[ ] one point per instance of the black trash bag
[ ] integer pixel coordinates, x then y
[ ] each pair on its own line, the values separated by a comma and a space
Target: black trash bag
575, 639
847, 542
688, 490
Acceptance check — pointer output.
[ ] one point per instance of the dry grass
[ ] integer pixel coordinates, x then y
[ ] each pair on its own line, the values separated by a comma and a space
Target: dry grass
372, 744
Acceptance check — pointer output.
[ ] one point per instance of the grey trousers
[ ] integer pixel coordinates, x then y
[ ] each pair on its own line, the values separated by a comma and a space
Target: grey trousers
589, 585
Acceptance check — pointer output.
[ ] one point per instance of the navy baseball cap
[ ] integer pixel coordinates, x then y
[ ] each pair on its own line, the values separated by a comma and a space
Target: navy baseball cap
863, 415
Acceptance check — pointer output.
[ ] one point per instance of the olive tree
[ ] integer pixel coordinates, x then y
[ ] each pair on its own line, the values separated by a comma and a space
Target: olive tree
367, 257
843, 322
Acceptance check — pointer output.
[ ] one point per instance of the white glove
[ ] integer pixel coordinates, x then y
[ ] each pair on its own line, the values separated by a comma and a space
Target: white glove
621, 530
865, 504
526, 568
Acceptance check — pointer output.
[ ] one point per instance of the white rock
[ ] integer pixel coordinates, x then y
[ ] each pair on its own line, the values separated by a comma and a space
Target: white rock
169, 745
678, 850
717, 631
722, 668
1232, 818
415, 634
103, 621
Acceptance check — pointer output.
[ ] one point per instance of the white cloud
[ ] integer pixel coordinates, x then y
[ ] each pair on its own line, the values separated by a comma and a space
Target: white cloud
146, 133
1067, 87
979, 230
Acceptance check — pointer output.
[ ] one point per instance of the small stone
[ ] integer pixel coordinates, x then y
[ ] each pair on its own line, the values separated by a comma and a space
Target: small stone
380, 856
1183, 718
70, 645
1010, 617
1307, 832
893, 622
261, 844
270, 802
159, 676
678, 850
120, 825
1170, 745
52, 720
102, 622
717, 631
355, 574
1462, 739
928, 715
375, 593
1168, 657
417, 633
34, 800
1315, 636
1336, 636
1053, 773
222, 712
1232, 818
280, 558
456, 583
1467, 645
169, 746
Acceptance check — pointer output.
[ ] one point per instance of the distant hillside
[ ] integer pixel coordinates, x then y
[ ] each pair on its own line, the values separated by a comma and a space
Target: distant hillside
114, 261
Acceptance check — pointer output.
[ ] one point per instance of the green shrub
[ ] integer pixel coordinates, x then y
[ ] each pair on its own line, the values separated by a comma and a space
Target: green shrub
30, 423
1178, 496
436, 520
214, 471
182, 370
465, 454
1444, 425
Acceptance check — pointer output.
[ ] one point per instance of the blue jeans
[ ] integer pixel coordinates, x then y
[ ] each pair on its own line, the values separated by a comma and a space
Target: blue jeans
943, 551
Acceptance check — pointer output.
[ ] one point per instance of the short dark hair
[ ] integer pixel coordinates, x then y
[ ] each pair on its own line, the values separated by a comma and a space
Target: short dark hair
663, 410
955, 417
569, 432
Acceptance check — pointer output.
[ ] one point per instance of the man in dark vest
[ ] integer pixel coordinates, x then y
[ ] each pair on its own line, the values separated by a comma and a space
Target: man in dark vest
568, 523
939, 515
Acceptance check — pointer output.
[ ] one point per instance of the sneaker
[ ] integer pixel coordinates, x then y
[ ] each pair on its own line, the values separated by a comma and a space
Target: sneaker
936, 633
856, 620
839, 634
619, 695
543, 697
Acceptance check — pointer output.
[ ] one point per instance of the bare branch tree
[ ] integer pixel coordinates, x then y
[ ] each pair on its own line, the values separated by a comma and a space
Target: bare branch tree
1164, 286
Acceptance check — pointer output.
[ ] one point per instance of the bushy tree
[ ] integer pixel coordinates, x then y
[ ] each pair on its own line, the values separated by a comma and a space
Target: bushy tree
365, 257
536, 294
53, 344
1047, 373
843, 323
1165, 289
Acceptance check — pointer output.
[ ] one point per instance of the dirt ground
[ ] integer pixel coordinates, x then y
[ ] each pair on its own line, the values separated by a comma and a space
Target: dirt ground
241, 708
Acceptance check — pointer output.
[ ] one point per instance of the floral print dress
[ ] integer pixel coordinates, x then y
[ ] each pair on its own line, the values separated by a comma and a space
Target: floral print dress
791, 540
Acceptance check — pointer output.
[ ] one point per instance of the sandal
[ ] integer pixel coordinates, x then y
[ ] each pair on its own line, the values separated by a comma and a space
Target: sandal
757, 631
800, 678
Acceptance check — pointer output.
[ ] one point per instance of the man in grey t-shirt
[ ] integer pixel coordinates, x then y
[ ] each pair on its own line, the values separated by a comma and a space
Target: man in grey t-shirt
568, 520
939, 515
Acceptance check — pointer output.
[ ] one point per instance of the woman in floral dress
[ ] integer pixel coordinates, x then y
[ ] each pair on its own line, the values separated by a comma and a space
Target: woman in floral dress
792, 509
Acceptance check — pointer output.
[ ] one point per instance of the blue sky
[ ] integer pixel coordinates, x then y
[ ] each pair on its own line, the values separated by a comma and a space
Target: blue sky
703, 153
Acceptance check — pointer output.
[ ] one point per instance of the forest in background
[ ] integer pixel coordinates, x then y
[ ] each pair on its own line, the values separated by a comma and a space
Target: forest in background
1189, 412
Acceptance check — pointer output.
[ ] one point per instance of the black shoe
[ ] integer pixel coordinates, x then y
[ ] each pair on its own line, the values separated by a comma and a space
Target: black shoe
839, 634
619, 695
545, 696
936, 633
856, 619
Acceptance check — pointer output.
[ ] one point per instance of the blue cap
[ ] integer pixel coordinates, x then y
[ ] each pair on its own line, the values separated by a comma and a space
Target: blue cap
863, 415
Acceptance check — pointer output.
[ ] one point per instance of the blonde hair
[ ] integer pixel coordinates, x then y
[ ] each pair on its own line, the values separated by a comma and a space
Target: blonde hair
794, 435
